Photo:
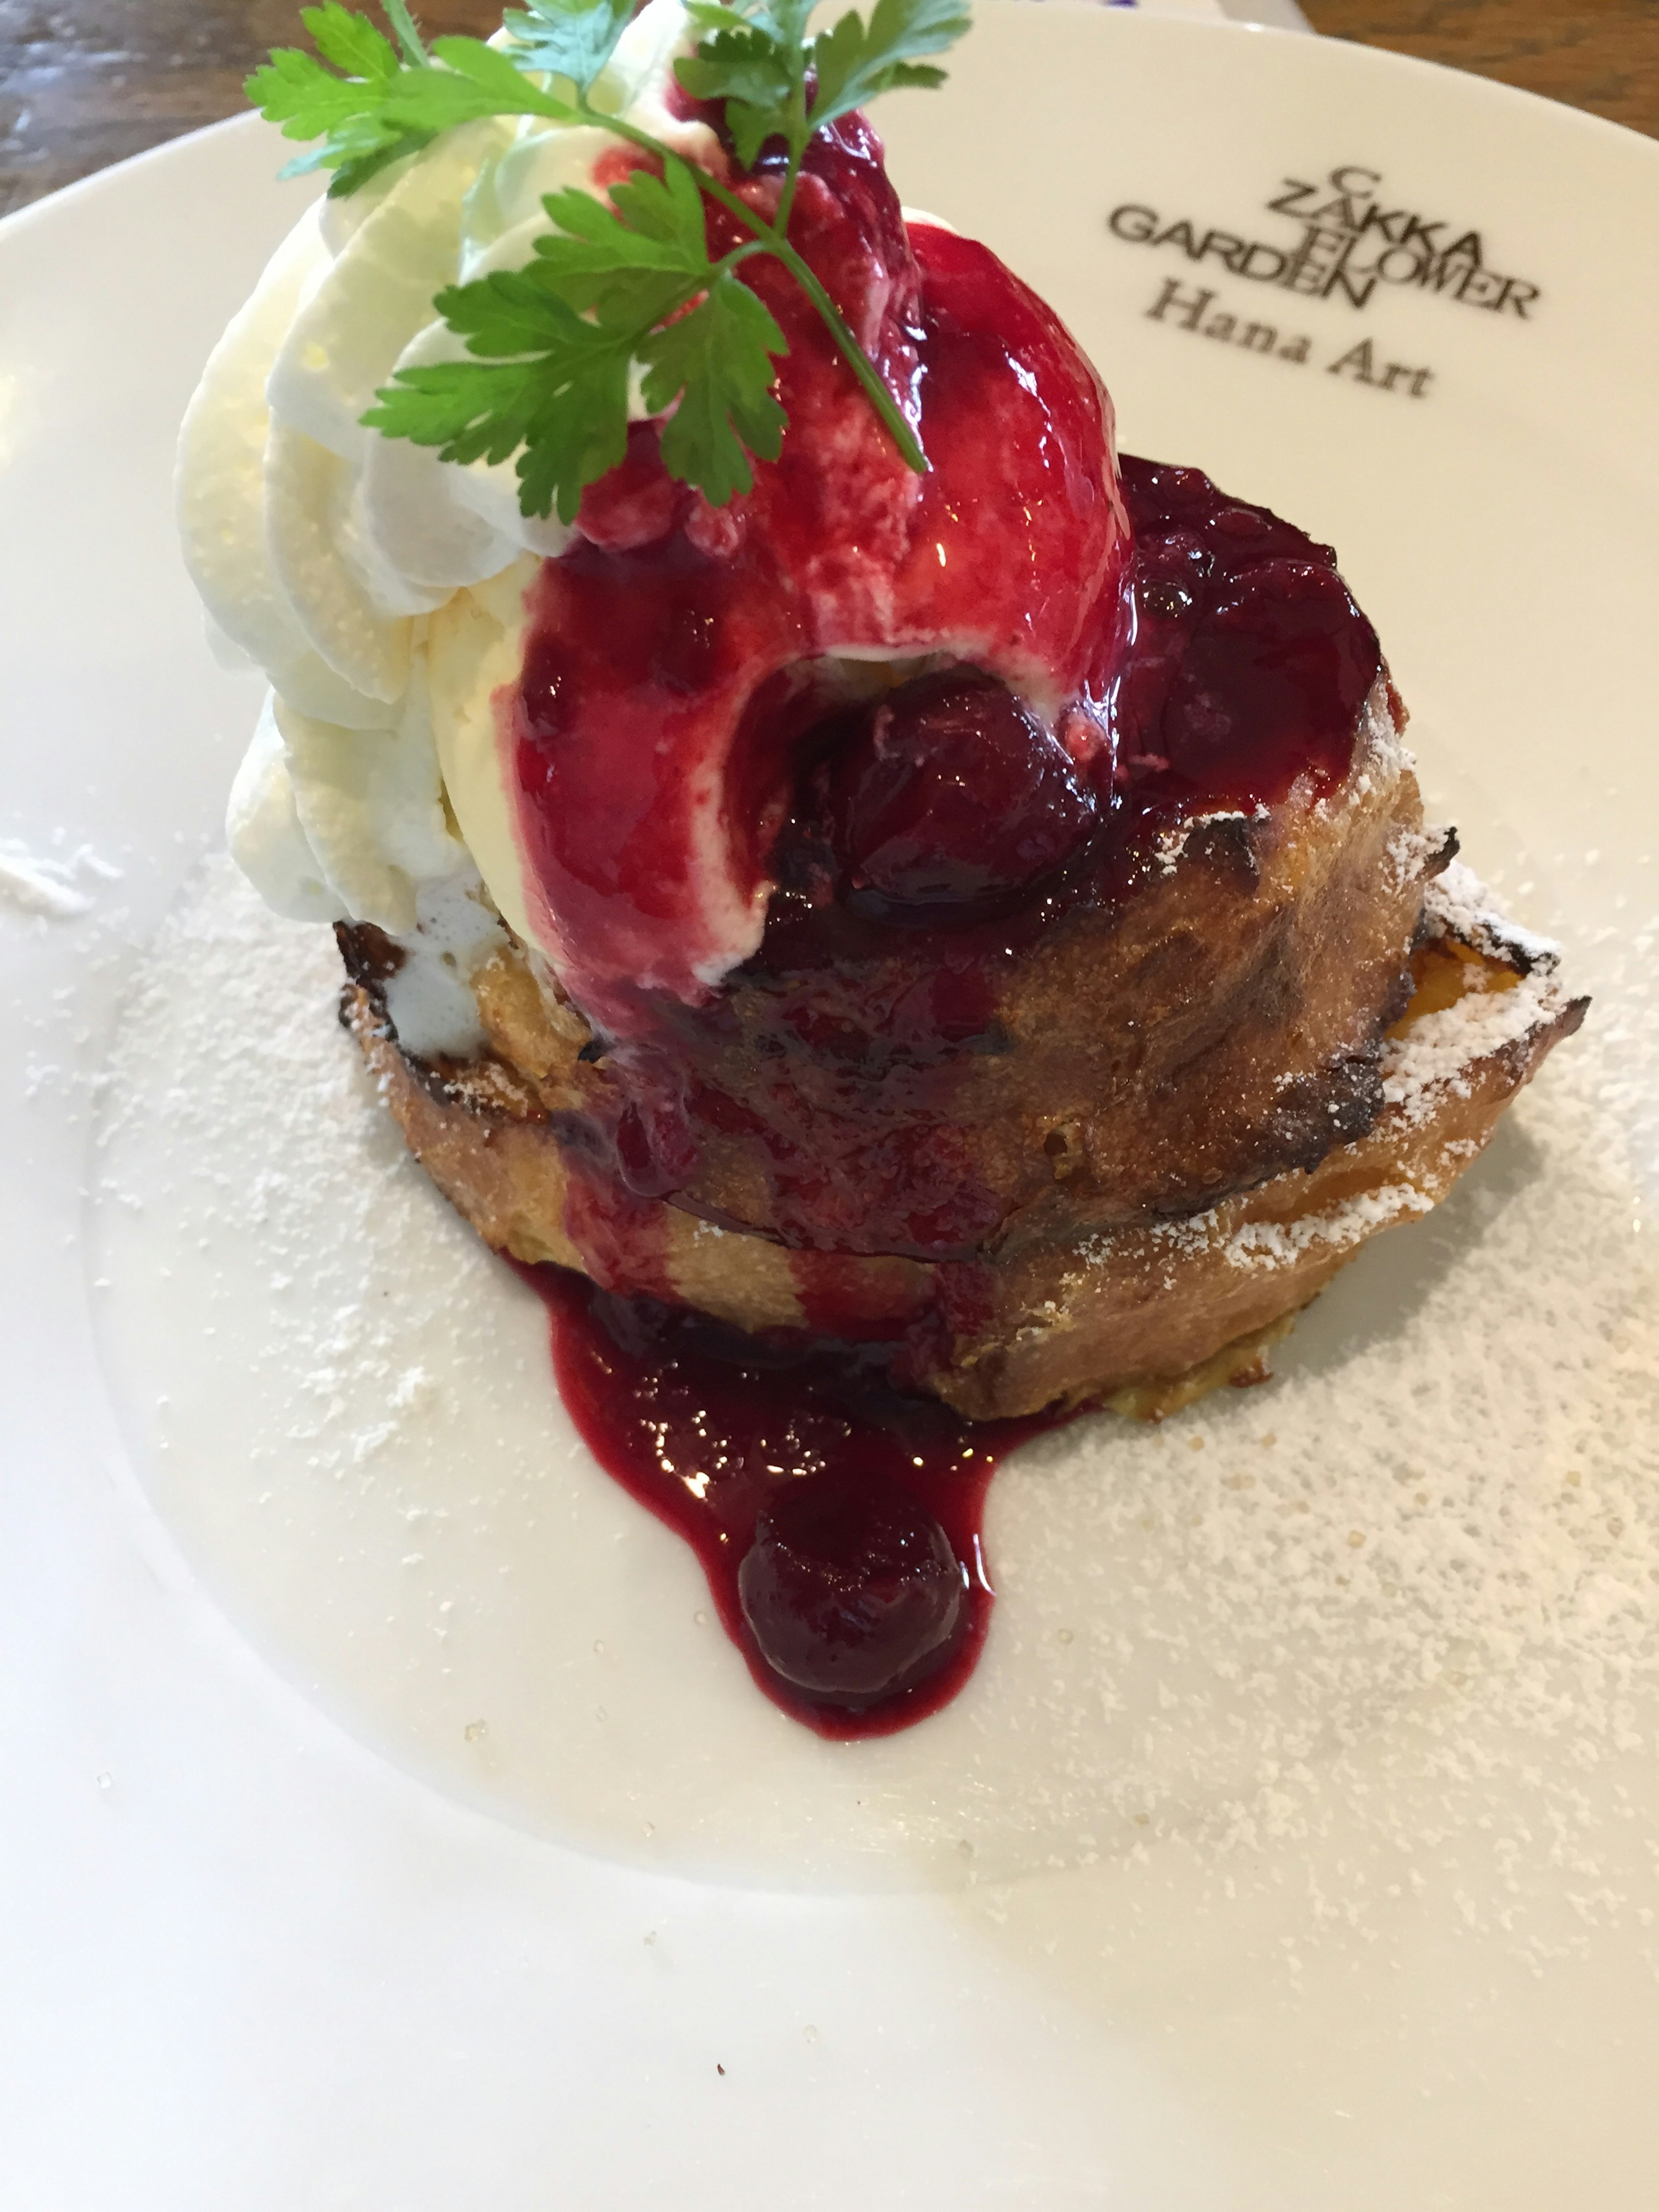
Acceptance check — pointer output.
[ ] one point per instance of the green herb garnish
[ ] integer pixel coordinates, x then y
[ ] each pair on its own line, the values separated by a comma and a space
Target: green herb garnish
611, 289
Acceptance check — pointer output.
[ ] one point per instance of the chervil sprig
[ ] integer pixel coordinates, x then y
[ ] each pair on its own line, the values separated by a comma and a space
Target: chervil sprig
570, 39
375, 105
608, 287
618, 292
777, 83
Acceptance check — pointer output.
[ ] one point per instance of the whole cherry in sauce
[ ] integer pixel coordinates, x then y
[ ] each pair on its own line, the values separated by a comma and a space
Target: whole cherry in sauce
1279, 651
1250, 662
851, 1589
836, 1512
949, 793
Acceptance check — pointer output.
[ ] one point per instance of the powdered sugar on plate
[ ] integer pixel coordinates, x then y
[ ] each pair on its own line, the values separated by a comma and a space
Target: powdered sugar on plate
1432, 1054
51, 884
1419, 1571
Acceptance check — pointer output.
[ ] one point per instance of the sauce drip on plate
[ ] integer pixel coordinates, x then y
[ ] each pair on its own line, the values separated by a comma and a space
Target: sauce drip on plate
799, 783
837, 1517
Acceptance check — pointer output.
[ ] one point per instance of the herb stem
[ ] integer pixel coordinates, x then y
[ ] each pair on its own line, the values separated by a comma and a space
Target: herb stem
409, 37
798, 135
727, 198
773, 239
857, 360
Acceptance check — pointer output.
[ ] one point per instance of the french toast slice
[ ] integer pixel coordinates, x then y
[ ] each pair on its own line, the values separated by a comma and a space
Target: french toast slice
1143, 1054
1073, 1302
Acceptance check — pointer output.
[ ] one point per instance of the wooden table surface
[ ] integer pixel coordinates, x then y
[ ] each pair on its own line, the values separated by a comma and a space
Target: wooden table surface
83, 82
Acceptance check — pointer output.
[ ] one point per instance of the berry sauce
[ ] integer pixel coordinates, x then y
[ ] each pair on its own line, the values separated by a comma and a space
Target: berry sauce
679, 653
837, 1517
1247, 662
1244, 670
799, 784
933, 836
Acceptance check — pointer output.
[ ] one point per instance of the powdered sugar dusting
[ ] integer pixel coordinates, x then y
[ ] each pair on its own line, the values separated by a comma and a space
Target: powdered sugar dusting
1272, 1244
1415, 1579
1406, 853
1434, 1054
1457, 901
1172, 843
51, 884
1254, 1245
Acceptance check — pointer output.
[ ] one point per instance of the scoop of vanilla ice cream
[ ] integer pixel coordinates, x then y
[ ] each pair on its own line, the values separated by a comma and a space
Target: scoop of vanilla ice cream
381, 589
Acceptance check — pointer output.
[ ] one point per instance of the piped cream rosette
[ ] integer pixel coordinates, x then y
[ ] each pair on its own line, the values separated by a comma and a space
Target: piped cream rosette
381, 589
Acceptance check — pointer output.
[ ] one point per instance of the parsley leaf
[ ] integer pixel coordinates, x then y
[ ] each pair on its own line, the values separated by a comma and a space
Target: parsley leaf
615, 288
713, 15
653, 225
755, 60
750, 69
717, 362
383, 108
571, 39
561, 403
856, 60
346, 113
476, 80
551, 384
350, 42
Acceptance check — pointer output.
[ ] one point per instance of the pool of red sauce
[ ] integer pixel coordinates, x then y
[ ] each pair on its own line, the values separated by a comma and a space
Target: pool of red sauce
1208, 670
1245, 671
1231, 690
671, 650
703, 1426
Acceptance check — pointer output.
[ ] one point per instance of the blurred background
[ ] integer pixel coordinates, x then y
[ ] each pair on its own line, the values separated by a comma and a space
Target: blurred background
85, 82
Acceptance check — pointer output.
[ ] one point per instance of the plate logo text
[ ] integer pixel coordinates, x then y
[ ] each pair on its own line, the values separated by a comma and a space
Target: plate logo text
1350, 240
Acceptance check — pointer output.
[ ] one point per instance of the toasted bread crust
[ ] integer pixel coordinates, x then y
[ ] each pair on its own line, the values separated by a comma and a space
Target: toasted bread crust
1221, 1026
1144, 1313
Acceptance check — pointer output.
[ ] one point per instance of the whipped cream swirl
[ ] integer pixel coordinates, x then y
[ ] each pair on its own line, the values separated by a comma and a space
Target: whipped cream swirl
376, 585
407, 773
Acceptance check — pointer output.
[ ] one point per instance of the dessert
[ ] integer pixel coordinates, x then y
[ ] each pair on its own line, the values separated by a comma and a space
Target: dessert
905, 881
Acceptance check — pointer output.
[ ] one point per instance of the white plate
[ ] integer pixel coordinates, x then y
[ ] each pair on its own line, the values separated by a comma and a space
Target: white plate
1381, 1935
